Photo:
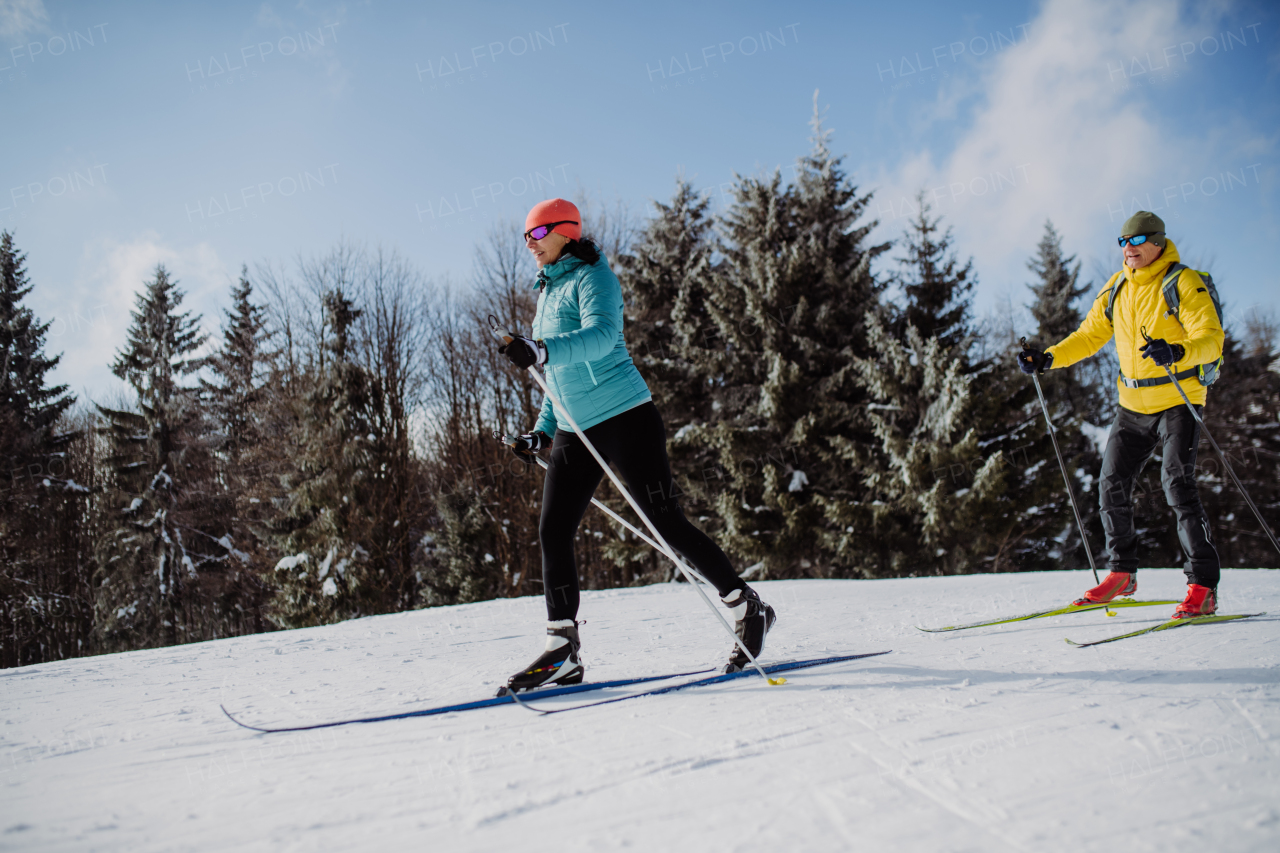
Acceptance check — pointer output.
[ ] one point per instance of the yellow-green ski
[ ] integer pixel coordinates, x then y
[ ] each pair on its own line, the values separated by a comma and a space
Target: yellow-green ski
1059, 611
1172, 623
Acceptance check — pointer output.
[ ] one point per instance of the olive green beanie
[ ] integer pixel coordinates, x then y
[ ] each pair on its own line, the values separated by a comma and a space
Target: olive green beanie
1144, 222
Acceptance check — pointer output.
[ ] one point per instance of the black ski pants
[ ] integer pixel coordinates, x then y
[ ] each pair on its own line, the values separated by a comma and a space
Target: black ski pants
1133, 440
635, 442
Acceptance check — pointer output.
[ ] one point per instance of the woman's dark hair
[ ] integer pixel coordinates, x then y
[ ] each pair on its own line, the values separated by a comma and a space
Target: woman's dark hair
584, 250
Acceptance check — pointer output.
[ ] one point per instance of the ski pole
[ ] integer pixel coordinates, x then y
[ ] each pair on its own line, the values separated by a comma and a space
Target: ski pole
508, 337
1176, 384
1066, 478
542, 463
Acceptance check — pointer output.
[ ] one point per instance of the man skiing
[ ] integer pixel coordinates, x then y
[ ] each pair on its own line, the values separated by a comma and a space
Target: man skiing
577, 334
1150, 334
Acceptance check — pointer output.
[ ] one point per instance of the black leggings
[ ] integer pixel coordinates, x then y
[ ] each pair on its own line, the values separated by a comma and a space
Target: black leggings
635, 442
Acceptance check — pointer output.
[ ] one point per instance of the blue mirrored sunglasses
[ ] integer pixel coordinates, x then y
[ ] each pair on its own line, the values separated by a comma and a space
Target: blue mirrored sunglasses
1137, 239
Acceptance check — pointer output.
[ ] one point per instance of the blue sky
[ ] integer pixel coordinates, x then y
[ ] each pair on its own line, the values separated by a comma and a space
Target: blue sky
208, 136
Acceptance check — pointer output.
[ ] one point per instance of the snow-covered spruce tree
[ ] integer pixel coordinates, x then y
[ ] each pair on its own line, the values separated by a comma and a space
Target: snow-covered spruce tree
34, 582
330, 503
667, 329
235, 396
920, 517
1076, 397
937, 290
936, 495
961, 477
1057, 310
462, 566
150, 557
237, 366
786, 309
663, 284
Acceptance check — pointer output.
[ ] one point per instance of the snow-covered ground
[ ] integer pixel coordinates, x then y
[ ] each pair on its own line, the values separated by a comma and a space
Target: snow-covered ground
987, 740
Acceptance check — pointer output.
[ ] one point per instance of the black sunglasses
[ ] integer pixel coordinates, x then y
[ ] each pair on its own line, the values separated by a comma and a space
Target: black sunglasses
543, 230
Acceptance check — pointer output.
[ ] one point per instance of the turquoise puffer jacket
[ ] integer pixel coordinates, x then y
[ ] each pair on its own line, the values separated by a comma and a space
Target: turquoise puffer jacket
588, 367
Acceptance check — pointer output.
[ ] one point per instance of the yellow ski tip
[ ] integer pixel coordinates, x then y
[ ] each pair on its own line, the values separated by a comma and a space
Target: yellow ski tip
776, 681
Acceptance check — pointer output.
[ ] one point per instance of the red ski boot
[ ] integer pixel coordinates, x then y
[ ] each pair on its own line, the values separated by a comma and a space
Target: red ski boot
1113, 585
1200, 601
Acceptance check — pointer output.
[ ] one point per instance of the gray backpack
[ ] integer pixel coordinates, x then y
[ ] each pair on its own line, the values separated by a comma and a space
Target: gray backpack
1206, 373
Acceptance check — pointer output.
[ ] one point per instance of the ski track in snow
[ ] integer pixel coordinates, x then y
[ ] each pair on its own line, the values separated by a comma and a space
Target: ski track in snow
993, 739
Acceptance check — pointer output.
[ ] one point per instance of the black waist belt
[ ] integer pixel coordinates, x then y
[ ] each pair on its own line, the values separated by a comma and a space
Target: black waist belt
1159, 380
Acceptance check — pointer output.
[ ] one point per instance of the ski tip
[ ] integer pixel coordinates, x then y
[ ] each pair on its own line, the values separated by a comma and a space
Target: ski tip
238, 723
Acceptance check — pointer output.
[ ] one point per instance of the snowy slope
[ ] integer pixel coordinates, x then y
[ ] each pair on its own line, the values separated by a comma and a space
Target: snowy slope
987, 740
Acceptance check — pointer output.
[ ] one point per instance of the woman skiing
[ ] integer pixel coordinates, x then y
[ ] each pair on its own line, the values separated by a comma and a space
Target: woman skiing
577, 335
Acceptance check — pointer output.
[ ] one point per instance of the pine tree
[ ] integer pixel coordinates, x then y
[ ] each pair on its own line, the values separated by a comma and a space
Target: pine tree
236, 400
787, 307
662, 282
937, 291
39, 585
1004, 481
461, 566
668, 331
29, 407
149, 563
331, 503
938, 486
237, 366
933, 489
1077, 404
1057, 313
1058, 291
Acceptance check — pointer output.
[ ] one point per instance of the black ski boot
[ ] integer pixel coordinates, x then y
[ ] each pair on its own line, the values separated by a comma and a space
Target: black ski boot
754, 619
559, 664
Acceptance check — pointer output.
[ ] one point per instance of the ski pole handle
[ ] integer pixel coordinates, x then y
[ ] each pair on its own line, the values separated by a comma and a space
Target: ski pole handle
494, 329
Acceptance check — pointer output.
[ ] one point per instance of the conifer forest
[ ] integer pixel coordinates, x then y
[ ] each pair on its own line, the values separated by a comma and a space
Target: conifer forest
324, 449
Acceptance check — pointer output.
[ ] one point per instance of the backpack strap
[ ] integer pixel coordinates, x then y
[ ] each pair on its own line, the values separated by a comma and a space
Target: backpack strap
1112, 292
1169, 287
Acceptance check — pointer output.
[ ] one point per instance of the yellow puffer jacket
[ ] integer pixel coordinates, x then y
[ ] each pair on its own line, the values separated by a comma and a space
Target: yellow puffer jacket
1139, 304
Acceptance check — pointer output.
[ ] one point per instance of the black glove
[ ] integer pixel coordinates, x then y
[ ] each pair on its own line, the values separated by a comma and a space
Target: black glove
1162, 352
524, 352
1032, 360
526, 446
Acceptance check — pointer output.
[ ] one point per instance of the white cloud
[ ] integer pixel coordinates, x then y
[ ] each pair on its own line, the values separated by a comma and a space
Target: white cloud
92, 321
1056, 134
19, 17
